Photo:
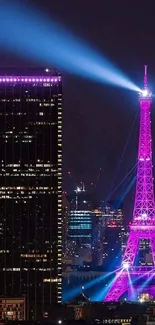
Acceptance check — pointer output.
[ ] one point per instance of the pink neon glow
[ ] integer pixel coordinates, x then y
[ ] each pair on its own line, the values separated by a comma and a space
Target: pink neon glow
143, 223
30, 79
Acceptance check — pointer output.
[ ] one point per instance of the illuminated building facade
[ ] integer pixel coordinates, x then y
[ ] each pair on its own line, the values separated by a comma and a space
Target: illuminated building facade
79, 227
31, 187
80, 235
12, 309
65, 214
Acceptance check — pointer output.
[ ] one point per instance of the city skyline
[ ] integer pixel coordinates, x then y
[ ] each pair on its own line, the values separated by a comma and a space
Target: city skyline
101, 55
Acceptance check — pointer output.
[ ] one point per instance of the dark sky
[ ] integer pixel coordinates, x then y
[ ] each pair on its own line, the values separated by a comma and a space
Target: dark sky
98, 118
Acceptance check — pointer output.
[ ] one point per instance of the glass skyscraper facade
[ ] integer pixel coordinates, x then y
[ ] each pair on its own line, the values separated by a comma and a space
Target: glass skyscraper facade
80, 226
79, 229
31, 187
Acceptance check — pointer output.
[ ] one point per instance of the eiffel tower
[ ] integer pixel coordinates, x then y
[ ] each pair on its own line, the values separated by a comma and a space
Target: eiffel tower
143, 222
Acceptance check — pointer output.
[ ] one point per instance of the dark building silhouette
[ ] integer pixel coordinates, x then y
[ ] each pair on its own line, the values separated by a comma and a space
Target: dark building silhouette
31, 187
107, 236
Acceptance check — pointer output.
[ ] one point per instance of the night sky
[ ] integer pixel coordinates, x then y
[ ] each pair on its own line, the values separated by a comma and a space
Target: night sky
98, 118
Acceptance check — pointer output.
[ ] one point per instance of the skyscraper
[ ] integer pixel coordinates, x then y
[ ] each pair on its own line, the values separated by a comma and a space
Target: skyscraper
65, 213
79, 227
107, 237
31, 187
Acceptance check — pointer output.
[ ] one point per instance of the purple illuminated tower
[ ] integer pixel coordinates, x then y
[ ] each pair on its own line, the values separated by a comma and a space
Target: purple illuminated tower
143, 224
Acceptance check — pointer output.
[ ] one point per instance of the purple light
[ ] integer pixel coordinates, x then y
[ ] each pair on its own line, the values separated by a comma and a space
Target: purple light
143, 223
30, 79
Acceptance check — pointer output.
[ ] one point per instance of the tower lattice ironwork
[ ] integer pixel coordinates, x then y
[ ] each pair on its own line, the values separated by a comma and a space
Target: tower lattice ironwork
143, 223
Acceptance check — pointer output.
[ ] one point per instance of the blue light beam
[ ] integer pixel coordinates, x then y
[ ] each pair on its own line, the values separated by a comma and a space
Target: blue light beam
71, 294
125, 191
99, 296
32, 35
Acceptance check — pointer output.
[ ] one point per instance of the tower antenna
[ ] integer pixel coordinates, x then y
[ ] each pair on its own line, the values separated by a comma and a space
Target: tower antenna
145, 77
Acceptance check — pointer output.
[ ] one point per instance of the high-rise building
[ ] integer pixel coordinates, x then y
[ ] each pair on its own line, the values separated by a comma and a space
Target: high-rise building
107, 235
31, 187
65, 214
99, 226
79, 227
80, 231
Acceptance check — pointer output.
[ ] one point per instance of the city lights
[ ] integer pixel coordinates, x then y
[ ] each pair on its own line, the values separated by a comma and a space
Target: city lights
32, 79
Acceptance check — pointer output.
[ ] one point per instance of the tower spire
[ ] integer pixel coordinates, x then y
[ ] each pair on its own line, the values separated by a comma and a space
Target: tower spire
145, 77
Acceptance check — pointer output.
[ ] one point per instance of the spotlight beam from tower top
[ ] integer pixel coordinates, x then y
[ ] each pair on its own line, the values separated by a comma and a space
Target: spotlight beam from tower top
47, 42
